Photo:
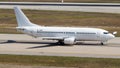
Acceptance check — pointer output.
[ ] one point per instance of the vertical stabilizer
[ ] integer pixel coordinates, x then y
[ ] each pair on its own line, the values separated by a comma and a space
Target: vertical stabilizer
22, 20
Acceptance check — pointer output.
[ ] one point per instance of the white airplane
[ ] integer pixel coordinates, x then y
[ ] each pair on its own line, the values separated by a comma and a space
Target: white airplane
64, 35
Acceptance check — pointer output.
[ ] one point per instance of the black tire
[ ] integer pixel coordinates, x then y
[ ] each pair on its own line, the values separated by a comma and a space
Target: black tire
102, 43
60, 42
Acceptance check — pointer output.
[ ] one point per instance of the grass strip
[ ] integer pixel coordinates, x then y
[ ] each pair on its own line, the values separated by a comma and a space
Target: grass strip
61, 61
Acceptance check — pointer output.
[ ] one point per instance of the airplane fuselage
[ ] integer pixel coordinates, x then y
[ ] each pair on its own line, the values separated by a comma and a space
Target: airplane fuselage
80, 34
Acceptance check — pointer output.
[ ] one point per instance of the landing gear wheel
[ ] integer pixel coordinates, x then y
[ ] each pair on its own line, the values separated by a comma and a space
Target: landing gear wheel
60, 42
102, 43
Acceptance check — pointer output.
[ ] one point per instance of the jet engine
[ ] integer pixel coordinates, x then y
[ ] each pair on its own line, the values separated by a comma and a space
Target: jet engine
69, 41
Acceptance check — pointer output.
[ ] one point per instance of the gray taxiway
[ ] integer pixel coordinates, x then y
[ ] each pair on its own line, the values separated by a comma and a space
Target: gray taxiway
21, 44
82, 7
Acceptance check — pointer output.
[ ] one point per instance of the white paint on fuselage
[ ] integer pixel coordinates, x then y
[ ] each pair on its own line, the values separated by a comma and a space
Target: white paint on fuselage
80, 34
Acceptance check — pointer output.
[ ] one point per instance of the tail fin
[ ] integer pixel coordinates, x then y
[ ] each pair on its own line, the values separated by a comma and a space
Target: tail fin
22, 20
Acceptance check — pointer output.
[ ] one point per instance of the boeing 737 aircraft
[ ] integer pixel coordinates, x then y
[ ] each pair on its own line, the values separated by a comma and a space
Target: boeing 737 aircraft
64, 35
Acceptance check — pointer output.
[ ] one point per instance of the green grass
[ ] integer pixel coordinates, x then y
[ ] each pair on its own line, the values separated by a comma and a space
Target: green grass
78, 1
61, 18
61, 61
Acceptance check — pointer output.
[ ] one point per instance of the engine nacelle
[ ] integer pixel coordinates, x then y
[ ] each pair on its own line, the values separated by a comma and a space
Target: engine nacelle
69, 41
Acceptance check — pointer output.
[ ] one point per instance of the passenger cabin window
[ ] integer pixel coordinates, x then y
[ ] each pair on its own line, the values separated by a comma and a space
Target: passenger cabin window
105, 32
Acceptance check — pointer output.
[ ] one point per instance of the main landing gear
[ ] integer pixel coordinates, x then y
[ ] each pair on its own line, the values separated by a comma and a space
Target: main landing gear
60, 42
102, 43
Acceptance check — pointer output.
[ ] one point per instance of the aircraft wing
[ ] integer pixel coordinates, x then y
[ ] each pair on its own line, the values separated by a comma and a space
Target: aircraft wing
53, 38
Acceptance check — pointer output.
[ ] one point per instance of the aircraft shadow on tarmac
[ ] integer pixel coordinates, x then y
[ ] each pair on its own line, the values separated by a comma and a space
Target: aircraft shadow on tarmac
13, 41
56, 44
48, 44
52, 44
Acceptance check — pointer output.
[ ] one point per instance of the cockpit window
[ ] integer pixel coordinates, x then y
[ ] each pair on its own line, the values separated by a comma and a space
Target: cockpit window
105, 32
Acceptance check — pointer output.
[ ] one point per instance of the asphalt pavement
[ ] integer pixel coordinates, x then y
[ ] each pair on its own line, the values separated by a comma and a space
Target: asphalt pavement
21, 44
